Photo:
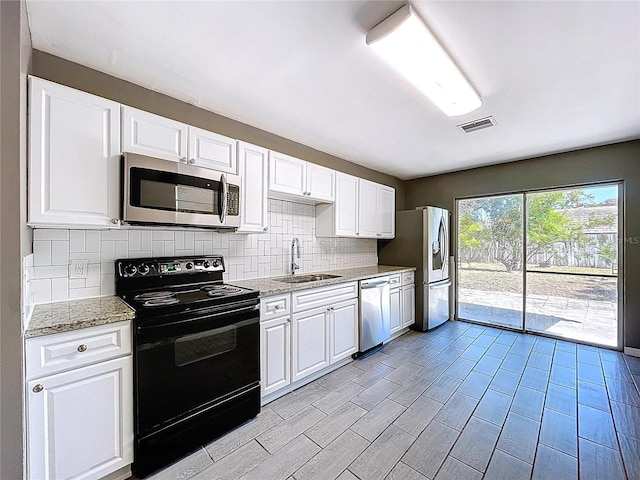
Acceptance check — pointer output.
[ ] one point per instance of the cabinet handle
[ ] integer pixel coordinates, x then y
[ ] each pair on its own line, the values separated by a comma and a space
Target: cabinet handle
288, 320
38, 388
183, 160
115, 221
278, 307
379, 234
192, 161
265, 229
82, 348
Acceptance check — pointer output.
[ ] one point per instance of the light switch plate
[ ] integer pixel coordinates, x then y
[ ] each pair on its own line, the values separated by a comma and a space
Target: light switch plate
78, 268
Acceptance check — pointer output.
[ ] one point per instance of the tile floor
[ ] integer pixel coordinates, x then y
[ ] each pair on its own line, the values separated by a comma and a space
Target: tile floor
461, 402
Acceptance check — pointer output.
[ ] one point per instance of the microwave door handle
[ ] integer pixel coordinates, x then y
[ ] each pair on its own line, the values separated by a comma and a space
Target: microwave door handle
223, 210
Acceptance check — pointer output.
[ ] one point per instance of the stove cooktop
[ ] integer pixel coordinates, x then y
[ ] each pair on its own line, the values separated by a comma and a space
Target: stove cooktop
188, 295
160, 286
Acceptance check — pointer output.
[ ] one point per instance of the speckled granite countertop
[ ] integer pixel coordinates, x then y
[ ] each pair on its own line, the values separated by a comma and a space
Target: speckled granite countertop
71, 315
60, 317
270, 286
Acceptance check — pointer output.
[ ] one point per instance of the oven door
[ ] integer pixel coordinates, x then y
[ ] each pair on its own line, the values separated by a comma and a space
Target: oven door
161, 191
189, 363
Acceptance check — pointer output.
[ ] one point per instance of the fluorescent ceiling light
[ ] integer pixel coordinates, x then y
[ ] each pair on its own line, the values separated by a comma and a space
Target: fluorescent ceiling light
404, 41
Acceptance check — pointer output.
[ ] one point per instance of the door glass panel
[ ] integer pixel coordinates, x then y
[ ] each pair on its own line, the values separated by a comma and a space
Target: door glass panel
489, 265
572, 264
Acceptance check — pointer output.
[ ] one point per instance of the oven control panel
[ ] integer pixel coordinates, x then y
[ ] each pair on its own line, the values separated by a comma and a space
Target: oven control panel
156, 267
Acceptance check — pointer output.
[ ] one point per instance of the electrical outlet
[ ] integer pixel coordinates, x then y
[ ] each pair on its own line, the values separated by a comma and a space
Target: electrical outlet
78, 268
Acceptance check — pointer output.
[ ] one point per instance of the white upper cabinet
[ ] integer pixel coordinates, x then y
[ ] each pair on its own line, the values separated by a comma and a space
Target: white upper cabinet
368, 221
252, 168
362, 209
287, 175
74, 157
153, 135
320, 182
293, 179
376, 212
212, 150
149, 134
386, 203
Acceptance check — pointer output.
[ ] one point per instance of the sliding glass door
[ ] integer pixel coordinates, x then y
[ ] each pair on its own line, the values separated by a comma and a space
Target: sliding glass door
544, 262
572, 264
490, 246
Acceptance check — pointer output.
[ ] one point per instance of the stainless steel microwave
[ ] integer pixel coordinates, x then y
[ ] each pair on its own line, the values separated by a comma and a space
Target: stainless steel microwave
156, 191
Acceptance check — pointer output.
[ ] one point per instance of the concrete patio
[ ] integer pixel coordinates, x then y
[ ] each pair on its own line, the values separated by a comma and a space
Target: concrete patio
590, 321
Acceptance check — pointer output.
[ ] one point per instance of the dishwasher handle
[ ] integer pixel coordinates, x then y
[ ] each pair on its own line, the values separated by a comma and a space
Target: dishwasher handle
367, 285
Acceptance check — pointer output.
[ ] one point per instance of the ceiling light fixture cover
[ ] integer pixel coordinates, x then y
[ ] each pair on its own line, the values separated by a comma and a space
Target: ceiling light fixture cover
404, 41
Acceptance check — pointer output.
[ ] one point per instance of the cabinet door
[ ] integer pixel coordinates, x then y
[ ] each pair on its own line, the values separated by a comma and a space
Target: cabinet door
286, 174
320, 182
346, 206
408, 305
386, 211
212, 150
343, 329
275, 350
395, 305
74, 157
252, 163
80, 422
310, 335
153, 135
368, 220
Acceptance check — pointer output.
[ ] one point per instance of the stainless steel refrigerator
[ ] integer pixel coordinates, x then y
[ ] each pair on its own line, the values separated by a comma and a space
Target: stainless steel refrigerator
422, 241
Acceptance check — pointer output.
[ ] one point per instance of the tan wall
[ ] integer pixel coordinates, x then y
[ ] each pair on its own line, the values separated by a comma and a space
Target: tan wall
83, 78
15, 239
608, 163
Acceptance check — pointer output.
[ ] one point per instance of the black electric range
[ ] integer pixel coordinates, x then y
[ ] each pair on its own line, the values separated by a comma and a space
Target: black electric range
196, 354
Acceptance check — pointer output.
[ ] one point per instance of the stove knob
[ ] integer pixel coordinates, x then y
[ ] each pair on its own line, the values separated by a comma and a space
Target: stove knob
143, 269
189, 265
130, 270
206, 264
216, 263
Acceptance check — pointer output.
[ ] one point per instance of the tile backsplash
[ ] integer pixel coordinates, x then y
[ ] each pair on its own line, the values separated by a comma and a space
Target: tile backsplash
246, 256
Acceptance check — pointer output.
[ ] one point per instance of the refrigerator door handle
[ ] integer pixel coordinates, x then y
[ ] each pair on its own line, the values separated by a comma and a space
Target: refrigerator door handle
433, 286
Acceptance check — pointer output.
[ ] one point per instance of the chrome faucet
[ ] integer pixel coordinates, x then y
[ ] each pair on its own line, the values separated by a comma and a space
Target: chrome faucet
294, 243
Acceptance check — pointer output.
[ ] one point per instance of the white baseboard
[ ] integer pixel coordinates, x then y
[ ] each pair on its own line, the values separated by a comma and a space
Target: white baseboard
634, 352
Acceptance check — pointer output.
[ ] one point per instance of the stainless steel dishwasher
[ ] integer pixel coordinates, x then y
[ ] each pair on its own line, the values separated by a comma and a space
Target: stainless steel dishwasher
375, 314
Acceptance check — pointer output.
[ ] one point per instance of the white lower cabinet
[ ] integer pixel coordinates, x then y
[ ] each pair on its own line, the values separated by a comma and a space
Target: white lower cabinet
306, 332
408, 295
275, 343
408, 299
396, 310
402, 300
310, 345
343, 330
80, 419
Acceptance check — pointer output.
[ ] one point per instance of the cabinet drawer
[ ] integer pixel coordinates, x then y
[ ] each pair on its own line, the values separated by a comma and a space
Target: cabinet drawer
63, 351
408, 277
275, 306
318, 297
394, 281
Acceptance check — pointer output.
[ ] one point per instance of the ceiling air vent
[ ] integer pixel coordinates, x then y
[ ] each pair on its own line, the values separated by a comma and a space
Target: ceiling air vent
478, 124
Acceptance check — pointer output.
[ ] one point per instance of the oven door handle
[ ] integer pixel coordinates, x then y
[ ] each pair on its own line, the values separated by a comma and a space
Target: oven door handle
147, 328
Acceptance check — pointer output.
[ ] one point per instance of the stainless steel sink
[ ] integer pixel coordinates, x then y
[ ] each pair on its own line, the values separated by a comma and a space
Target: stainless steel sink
305, 278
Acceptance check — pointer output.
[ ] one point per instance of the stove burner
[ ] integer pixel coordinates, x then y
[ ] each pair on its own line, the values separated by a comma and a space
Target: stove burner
220, 290
153, 295
160, 301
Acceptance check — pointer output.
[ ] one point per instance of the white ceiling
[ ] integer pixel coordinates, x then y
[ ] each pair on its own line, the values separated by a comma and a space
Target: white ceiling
555, 75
